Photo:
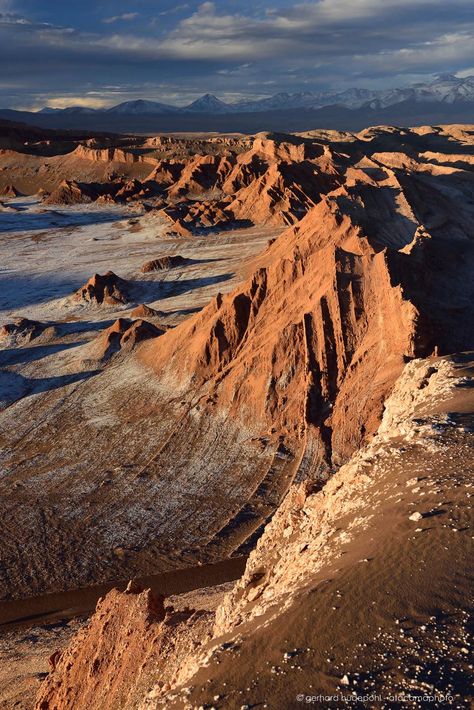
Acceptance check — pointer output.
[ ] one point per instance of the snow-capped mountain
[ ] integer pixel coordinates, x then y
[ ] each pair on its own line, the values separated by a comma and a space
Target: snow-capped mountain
208, 104
350, 98
447, 89
50, 110
280, 101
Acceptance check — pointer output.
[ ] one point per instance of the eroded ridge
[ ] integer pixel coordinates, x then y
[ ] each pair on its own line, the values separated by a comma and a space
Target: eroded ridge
258, 369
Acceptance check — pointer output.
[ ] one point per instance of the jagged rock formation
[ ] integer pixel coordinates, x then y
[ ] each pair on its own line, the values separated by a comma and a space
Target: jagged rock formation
275, 180
70, 192
9, 191
22, 329
311, 345
122, 336
106, 199
103, 289
139, 330
199, 185
286, 349
203, 216
163, 262
132, 189
113, 659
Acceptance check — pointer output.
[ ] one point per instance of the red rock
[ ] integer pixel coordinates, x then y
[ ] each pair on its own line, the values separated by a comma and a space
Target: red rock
123, 335
22, 328
130, 641
298, 347
9, 191
170, 261
106, 289
70, 192
144, 311
131, 189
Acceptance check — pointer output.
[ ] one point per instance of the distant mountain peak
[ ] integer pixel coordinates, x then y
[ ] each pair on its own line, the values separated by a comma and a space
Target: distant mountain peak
140, 106
208, 104
446, 76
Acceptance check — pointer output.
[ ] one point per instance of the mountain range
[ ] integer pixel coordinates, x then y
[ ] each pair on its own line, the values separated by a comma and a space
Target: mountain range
447, 88
447, 99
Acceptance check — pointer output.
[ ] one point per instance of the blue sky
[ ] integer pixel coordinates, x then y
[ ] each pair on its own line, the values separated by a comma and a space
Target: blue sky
101, 52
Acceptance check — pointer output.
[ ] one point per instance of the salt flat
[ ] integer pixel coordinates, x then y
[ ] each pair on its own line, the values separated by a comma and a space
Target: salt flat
48, 253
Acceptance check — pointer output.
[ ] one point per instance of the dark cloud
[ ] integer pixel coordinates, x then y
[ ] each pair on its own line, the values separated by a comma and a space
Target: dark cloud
180, 50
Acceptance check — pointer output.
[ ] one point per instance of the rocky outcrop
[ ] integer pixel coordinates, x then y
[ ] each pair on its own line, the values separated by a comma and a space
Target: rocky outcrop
139, 330
144, 311
132, 189
268, 180
110, 155
169, 261
122, 336
277, 182
70, 192
106, 199
130, 640
310, 345
414, 413
9, 191
22, 329
103, 289
200, 217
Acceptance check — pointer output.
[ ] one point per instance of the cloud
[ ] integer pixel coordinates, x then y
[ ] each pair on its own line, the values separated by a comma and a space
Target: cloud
10, 18
176, 8
236, 71
71, 100
125, 17
321, 32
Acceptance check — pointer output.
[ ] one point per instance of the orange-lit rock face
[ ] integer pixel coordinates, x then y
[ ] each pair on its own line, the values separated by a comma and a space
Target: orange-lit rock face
316, 324
144, 311
106, 289
311, 344
69, 192
130, 642
163, 262
124, 335
9, 191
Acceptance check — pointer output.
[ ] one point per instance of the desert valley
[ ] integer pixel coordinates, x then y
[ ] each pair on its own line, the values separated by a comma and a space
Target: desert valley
236, 416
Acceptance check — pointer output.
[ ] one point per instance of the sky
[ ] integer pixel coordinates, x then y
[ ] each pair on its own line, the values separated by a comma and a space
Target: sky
101, 52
